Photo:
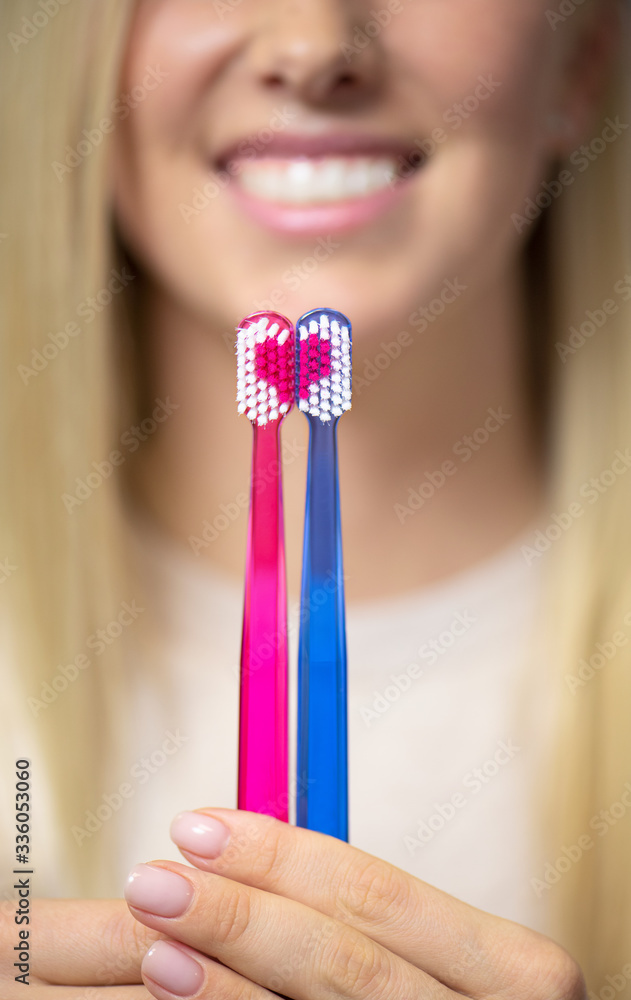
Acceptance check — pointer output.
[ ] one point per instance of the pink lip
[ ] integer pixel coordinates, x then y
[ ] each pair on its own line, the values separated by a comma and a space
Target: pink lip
320, 219
317, 219
285, 145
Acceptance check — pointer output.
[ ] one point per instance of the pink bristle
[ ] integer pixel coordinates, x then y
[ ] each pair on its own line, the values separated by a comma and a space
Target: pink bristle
265, 377
315, 363
324, 364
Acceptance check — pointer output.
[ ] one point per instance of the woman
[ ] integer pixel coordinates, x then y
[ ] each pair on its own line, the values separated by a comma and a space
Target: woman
451, 178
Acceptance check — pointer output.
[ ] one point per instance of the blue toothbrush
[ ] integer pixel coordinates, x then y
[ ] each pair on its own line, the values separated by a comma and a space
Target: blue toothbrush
323, 393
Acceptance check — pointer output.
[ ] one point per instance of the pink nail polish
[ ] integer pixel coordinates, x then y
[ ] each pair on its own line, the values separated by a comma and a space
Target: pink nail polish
172, 969
200, 834
158, 891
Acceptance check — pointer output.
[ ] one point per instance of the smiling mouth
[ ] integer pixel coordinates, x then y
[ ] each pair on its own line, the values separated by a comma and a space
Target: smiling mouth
325, 180
314, 170
302, 185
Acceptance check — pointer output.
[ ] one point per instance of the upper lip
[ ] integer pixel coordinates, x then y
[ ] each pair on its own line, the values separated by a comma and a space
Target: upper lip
294, 146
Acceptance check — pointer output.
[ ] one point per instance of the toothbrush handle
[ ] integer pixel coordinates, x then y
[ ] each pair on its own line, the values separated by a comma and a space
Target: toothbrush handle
263, 704
322, 792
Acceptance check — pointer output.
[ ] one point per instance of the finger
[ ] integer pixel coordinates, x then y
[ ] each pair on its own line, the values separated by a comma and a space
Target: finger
170, 967
86, 941
39, 991
269, 939
464, 947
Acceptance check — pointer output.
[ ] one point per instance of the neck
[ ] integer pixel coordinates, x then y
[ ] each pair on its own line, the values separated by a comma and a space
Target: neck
437, 457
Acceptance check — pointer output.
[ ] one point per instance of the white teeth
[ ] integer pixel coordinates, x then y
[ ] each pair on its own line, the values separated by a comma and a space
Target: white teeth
312, 181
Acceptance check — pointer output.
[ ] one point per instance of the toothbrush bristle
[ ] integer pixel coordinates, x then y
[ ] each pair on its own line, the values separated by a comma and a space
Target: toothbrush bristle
265, 367
323, 364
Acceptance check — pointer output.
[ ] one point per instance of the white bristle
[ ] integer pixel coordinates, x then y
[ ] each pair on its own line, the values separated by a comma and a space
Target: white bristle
330, 396
255, 397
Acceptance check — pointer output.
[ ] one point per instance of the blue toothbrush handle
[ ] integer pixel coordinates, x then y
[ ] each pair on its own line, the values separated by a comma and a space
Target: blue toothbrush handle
322, 791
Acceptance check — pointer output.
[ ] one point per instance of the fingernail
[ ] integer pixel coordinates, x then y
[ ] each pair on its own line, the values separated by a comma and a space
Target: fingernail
200, 834
157, 890
172, 969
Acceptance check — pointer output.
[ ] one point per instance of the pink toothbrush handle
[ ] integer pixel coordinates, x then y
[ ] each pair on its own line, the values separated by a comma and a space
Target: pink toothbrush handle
263, 779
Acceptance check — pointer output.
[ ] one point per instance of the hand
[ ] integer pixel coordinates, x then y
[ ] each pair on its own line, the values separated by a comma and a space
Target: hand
92, 949
279, 908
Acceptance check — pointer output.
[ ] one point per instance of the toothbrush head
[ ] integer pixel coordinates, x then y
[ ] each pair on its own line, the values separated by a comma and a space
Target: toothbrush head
323, 364
265, 367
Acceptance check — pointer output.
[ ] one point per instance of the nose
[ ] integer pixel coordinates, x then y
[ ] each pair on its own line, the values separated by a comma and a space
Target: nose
306, 49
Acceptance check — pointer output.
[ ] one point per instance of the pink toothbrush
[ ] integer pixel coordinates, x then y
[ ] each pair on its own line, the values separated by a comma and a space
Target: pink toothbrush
265, 392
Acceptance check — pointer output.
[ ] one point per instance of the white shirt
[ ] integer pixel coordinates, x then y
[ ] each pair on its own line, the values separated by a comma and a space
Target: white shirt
450, 718
443, 764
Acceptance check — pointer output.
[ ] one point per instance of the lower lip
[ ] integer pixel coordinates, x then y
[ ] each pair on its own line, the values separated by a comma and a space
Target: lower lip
321, 219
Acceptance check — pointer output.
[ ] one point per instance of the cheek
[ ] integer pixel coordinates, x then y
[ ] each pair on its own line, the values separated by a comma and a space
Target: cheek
184, 44
494, 60
186, 38
189, 44
487, 83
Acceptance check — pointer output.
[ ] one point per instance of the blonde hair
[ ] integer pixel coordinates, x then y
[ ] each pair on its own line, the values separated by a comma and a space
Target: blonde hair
58, 251
70, 568
589, 579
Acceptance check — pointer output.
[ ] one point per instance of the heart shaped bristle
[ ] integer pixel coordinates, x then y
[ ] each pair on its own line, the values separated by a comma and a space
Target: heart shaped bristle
323, 364
265, 367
